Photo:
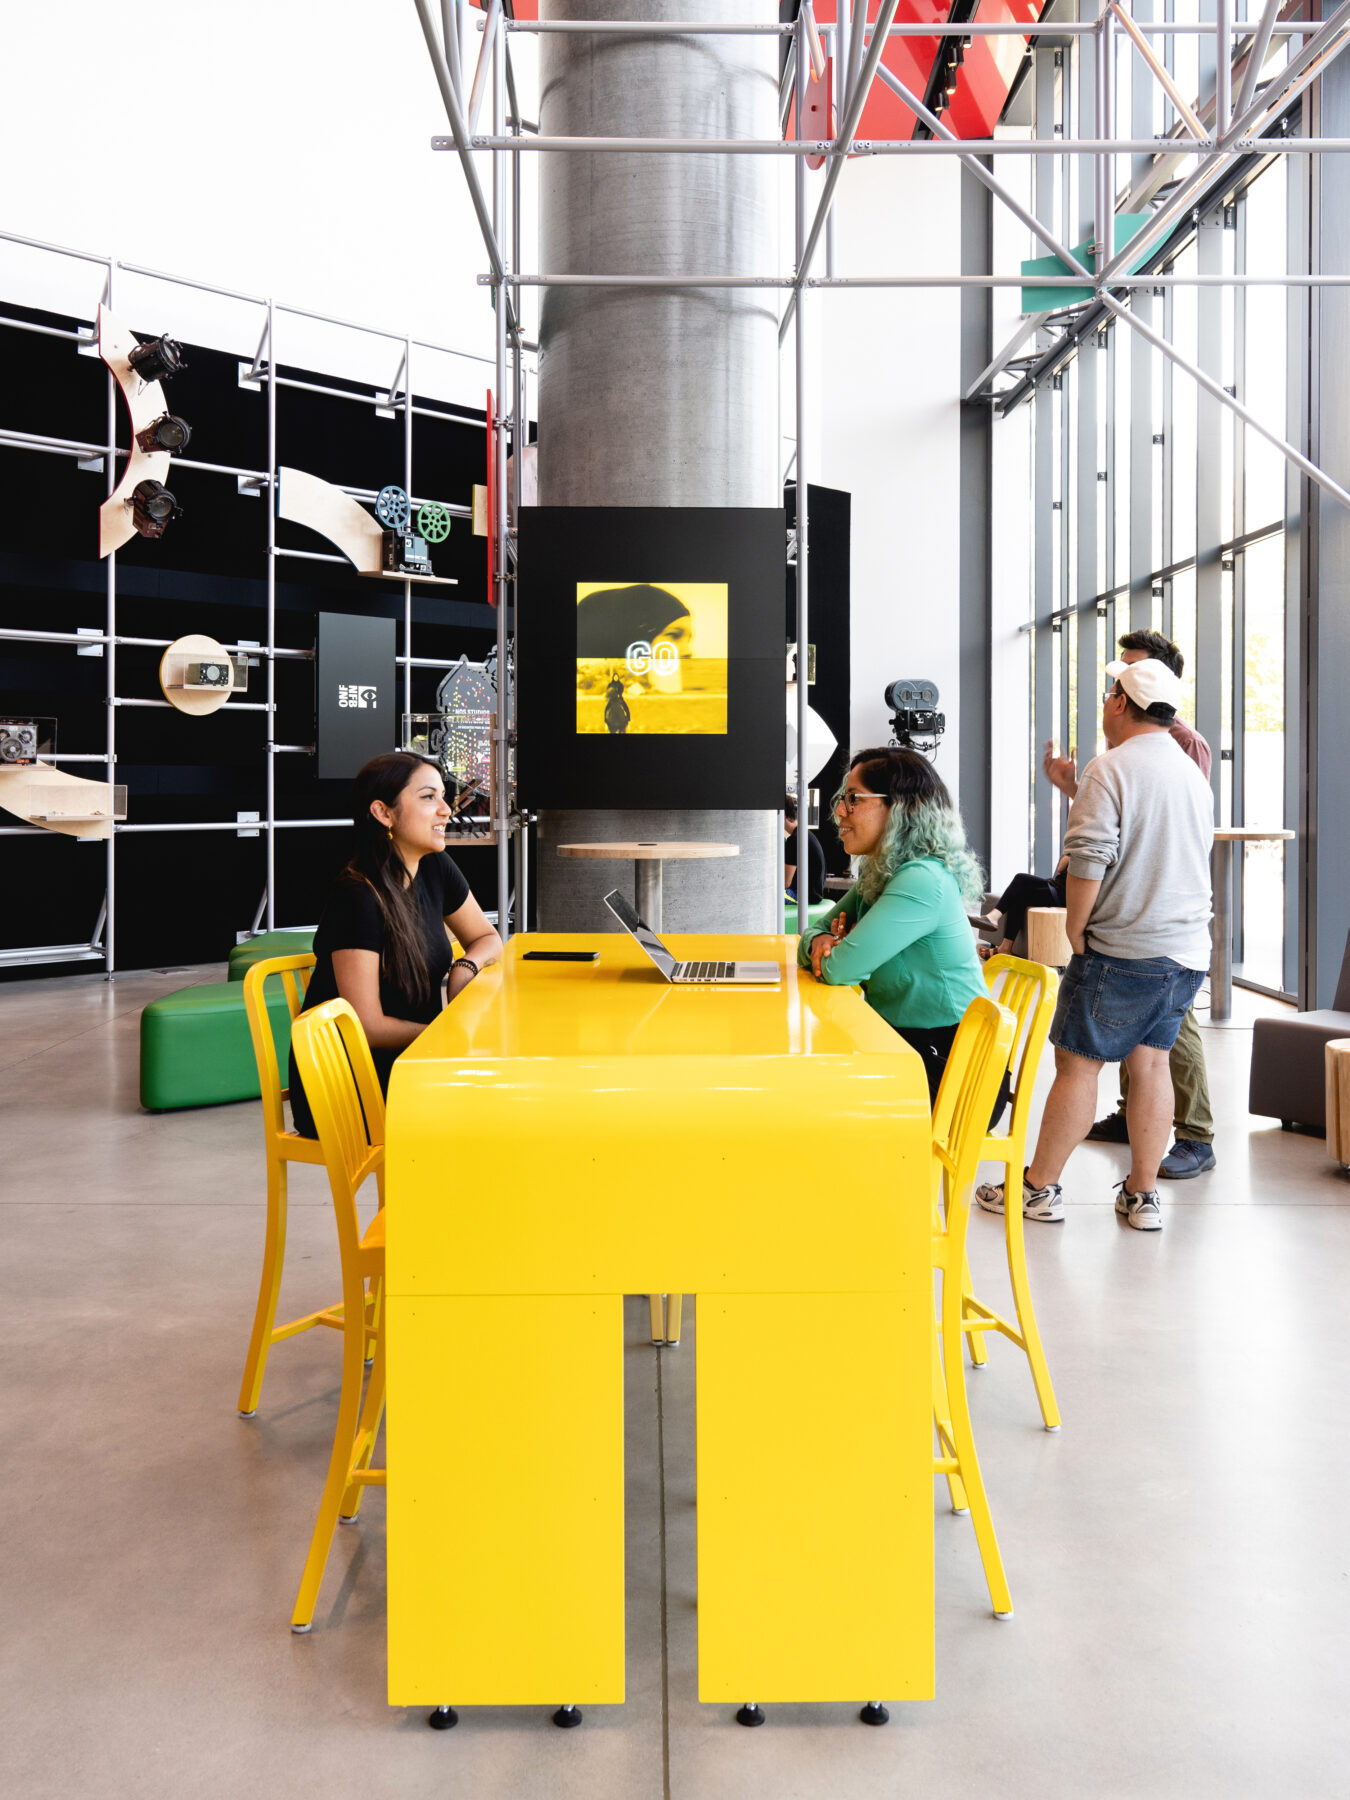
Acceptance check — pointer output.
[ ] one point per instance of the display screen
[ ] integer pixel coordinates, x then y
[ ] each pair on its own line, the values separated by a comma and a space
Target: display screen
652, 658
649, 657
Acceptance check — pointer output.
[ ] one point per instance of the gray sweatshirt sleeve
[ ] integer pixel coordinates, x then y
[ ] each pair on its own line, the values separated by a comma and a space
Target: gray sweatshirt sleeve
1092, 839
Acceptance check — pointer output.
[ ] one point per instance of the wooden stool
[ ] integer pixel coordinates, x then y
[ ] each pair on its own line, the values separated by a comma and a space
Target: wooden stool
1047, 941
1337, 1054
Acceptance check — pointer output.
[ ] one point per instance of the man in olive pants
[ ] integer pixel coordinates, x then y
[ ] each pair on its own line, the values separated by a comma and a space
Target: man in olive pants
1193, 1151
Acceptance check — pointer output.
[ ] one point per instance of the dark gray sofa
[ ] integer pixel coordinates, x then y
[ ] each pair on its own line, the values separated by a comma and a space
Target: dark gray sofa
1288, 1079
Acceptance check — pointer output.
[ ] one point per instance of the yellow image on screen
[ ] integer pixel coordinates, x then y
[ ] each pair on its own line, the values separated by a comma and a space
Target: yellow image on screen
652, 658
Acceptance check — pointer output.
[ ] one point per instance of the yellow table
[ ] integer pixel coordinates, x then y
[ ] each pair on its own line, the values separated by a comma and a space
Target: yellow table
564, 1135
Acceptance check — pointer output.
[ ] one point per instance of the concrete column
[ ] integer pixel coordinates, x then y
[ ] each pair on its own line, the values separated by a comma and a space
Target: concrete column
650, 398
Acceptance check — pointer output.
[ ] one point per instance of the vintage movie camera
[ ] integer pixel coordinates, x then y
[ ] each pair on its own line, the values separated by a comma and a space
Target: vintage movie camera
916, 724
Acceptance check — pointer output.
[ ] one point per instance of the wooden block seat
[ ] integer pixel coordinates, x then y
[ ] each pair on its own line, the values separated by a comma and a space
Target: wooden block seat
196, 1049
1337, 1054
266, 944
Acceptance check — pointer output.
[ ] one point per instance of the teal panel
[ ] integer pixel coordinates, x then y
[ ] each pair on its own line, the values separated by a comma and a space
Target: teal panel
1050, 299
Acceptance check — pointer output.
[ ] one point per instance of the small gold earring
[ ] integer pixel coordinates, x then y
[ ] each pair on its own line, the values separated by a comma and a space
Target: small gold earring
391, 834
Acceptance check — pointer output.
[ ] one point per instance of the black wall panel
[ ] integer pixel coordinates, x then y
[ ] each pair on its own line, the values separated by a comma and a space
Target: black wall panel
182, 896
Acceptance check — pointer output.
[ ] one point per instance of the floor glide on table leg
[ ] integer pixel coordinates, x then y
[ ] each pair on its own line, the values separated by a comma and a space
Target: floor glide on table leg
444, 1718
566, 1717
750, 1714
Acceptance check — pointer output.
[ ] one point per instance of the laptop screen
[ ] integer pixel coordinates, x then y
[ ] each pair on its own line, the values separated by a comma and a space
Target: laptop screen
645, 936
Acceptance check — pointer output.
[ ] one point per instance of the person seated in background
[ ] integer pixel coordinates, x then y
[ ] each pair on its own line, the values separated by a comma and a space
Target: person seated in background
383, 942
1023, 892
901, 930
815, 875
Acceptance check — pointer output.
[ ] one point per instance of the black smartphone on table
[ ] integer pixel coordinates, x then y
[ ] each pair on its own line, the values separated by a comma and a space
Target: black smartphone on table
581, 956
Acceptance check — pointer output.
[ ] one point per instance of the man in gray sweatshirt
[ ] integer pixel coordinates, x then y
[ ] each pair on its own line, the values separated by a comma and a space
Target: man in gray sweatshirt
1138, 910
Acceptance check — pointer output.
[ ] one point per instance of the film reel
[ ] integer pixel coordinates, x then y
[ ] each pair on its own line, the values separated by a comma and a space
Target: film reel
433, 521
393, 508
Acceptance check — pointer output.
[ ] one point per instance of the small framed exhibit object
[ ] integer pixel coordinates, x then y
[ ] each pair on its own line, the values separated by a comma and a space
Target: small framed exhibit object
355, 702
649, 658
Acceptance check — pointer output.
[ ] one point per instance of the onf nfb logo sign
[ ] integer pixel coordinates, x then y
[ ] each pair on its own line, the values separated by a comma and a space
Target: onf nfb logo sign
356, 692
351, 694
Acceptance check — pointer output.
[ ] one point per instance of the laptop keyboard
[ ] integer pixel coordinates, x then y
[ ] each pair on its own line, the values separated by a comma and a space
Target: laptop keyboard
704, 971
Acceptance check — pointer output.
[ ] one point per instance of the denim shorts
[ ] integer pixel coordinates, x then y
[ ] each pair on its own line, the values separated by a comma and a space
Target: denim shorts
1111, 1005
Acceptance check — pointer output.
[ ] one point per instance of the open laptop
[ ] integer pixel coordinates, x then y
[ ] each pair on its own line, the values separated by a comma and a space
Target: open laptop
686, 971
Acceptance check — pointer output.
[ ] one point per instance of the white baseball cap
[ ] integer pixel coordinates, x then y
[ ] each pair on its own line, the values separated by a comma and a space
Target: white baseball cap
1150, 684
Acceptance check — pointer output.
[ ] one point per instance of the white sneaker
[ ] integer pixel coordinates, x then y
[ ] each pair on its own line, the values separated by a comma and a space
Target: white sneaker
1143, 1211
1043, 1204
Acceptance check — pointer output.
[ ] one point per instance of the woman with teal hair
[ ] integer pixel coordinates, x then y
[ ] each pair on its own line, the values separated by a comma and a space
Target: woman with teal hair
901, 931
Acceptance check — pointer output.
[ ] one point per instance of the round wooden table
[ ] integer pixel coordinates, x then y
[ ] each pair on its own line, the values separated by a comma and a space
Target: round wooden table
647, 858
1221, 952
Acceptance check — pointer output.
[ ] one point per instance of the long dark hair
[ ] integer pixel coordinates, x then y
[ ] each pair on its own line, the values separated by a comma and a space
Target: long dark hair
921, 821
375, 861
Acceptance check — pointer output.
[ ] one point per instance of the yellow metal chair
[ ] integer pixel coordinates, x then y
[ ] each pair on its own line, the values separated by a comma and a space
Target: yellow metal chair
1029, 991
961, 1112
282, 1147
344, 1095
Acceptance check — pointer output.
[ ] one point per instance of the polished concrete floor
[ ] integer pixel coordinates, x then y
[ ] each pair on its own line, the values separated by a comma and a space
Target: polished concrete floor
1177, 1553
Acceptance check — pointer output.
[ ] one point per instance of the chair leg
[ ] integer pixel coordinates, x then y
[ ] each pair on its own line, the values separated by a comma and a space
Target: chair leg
979, 1355
339, 1470
674, 1308
367, 1430
269, 1289
1021, 1288
656, 1306
964, 1436
374, 1319
942, 1422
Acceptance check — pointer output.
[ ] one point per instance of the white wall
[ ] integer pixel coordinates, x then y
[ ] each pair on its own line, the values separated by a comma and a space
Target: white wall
274, 147
890, 434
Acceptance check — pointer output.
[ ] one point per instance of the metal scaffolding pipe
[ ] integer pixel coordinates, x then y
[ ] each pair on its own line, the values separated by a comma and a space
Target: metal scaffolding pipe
944, 133
1221, 394
1301, 69
1256, 55
799, 147
839, 149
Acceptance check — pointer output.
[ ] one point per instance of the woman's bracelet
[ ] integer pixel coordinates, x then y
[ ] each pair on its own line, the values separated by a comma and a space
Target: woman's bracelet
464, 962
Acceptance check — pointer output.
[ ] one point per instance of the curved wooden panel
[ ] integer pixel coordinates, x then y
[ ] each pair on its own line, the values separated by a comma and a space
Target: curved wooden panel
145, 402
46, 796
306, 500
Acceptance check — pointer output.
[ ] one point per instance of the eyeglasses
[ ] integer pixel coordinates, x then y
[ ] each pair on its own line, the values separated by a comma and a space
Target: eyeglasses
1114, 692
851, 796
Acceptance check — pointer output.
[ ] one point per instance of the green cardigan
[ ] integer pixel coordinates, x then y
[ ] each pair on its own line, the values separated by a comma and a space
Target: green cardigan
912, 950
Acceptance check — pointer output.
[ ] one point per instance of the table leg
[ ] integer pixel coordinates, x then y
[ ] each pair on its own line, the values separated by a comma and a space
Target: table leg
506, 1542
815, 1497
1221, 929
647, 890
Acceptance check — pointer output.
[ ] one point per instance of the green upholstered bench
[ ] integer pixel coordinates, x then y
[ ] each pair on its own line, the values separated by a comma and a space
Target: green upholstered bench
267, 944
814, 914
196, 1049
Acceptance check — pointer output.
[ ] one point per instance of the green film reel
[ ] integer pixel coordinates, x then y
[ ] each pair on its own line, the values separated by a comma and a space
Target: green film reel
433, 521
393, 508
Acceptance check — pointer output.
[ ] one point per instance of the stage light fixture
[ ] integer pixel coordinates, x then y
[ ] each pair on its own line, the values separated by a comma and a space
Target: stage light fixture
167, 432
157, 360
152, 508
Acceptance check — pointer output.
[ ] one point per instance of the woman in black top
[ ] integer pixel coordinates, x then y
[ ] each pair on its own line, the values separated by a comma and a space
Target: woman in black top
382, 942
